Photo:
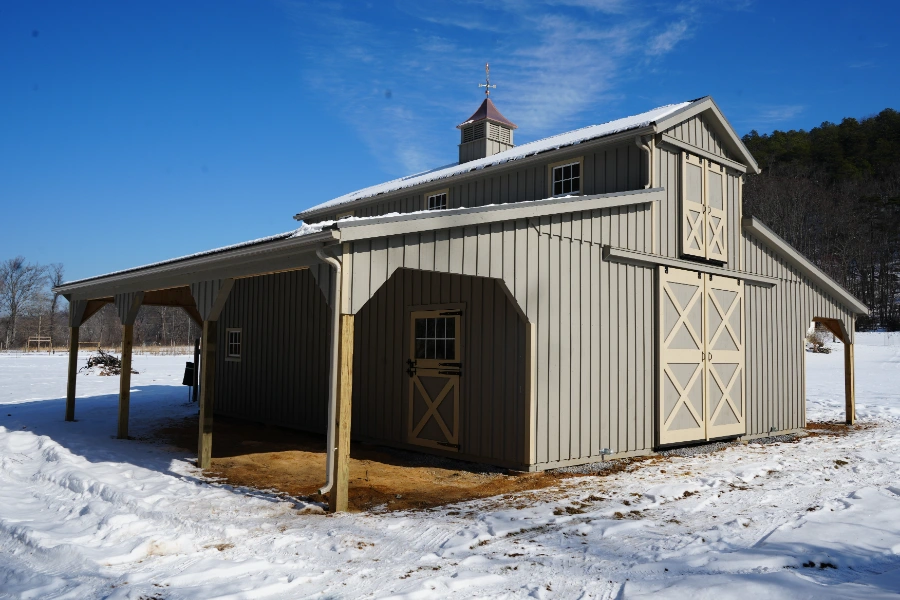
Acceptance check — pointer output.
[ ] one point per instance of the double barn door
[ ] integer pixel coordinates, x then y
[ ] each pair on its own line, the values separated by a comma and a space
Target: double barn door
701, 337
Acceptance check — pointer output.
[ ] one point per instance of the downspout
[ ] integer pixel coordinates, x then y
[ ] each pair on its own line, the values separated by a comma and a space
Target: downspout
648, 148
333, 367
645, 147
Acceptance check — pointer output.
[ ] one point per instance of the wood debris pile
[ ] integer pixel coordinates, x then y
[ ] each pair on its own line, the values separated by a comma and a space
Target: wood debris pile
106, 363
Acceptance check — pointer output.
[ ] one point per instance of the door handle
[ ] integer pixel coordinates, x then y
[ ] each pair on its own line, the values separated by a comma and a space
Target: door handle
709, 355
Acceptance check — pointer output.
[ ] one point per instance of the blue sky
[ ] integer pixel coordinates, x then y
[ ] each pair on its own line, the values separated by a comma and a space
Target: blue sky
131, 132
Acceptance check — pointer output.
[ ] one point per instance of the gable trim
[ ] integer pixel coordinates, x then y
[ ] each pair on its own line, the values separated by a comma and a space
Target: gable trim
707, 104
802, 264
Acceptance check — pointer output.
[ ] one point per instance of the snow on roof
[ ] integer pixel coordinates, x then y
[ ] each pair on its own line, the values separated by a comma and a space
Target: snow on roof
304, 230
519, 152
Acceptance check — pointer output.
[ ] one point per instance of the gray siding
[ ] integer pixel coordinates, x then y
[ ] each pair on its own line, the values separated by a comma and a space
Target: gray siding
777, 319
592, 320
282, 376
609, 169
493, 404
697, 132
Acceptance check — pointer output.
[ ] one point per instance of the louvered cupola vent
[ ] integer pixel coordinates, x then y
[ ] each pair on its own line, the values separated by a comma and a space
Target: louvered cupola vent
485, 133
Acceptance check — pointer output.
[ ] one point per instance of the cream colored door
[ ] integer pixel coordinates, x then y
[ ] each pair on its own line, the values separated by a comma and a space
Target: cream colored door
681, 415
434, 369
693, 208
716, 215
725, 404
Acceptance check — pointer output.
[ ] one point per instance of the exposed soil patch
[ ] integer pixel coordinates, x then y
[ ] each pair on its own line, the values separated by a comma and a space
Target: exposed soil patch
293, 462
819, 428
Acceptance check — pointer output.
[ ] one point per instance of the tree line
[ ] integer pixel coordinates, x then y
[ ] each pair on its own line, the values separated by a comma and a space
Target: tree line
29, 309
833, 192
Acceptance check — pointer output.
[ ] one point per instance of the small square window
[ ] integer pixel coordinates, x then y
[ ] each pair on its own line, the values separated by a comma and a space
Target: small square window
437, 201
567, 179
233, 345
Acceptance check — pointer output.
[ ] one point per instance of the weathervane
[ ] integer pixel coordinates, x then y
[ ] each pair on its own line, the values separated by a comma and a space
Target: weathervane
487, 86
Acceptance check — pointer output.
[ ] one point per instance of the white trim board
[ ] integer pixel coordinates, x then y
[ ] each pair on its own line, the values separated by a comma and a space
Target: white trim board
361, 229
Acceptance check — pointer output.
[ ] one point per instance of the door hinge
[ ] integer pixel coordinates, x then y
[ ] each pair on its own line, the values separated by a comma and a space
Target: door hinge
449, 445
459, 373
456, 365
451, 313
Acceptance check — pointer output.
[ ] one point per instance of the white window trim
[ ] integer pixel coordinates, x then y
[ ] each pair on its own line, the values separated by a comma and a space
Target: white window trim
228, 356
430, 195
579, 160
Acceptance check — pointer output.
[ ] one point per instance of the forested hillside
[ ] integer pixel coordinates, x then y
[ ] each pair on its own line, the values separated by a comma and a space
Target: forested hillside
834, 193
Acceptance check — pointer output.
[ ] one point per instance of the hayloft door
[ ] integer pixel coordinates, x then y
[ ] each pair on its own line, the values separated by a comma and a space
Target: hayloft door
434, 367
716, 217
693, 207
682, 410
704, 214
724, 357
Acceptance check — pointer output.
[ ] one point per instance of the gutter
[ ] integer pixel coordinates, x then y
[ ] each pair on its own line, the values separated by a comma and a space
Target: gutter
333, 368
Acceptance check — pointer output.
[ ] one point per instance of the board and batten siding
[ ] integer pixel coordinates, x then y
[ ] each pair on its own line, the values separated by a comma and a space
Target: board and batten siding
592, 320
777, 319
697, 132
607, 169
492, 396
282, 376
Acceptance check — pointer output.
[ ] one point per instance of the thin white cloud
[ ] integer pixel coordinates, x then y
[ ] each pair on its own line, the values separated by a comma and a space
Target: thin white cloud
405, 74
666, 41
775, 114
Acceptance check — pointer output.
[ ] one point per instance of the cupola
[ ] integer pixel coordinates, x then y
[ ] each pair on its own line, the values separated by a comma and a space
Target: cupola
486, 132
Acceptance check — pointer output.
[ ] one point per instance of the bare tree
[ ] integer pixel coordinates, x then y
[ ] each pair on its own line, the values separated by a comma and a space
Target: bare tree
22, 283
56, 275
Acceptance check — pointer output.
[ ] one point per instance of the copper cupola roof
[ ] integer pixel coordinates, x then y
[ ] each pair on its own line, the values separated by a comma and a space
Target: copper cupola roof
488, 111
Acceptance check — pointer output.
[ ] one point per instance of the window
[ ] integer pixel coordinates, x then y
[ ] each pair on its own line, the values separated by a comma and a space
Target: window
436, 338
437, 201
233, 344
566, 179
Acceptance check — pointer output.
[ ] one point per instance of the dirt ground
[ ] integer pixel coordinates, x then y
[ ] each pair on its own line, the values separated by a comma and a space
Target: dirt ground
293, 462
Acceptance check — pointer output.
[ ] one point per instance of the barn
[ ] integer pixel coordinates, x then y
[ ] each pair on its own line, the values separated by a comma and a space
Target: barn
592, 295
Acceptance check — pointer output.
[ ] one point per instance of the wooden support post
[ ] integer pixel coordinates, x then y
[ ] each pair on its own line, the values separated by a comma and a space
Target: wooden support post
849, 384
208, 377
73, 372
125, 381
338, 501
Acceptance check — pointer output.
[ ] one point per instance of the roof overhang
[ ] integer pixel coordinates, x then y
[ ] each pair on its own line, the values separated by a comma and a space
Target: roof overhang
802, 264
266, 257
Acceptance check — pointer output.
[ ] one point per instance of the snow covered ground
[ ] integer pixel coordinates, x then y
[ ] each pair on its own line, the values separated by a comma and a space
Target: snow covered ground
83, 515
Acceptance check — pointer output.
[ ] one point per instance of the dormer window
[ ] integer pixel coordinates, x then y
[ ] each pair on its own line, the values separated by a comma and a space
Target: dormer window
438, 201
566, 178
